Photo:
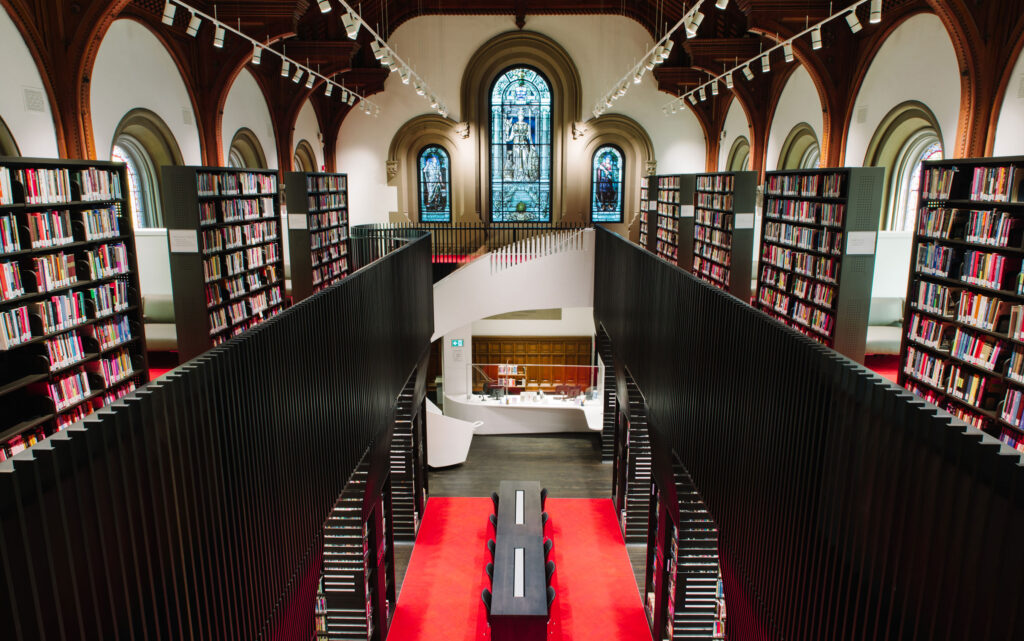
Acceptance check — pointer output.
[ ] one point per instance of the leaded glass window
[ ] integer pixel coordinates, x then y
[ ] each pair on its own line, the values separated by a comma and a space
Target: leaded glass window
521, 147
435, 185
606, 186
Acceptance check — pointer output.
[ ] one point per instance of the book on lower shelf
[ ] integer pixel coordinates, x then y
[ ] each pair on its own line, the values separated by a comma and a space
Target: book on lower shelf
723, 230
69, 296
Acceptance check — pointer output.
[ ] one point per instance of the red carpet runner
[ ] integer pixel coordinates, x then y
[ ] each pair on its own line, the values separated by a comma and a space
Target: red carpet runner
597, 596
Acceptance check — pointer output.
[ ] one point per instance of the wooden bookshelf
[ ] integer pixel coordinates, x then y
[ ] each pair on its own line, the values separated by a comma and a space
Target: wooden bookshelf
317, 230
723, 230
963, 348
817, 253
226, 252
71, 333
673, 212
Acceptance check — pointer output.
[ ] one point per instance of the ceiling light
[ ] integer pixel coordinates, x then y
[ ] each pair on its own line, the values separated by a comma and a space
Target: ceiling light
875, 15
325, 6
351, 98
714, 87
329, 90
298, 74
638, 76
748, 72
728, 80
419, 89
649, 63
351, 25
722, 4
404, 73
702, 94
851, 19
766, 63
433, 102
285, 66
607, 104
691, 29
309, 81
444, 113
193, 25
378, 51
816, 38
257, 54
668, 46
787, 50
218, 37
169, 9
692, 100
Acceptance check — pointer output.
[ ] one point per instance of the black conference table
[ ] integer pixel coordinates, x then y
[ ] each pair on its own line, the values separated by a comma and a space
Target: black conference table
519, 600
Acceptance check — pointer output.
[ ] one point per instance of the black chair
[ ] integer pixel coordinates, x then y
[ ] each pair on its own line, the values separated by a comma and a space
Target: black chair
550, 569
494, 521
548, 544
490, 546
543, 497
486, 596
494, 499
489, 569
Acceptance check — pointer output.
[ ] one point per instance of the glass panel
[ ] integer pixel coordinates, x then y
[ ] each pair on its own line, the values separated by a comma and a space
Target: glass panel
932, 152
606, 191
435, 185
521, 147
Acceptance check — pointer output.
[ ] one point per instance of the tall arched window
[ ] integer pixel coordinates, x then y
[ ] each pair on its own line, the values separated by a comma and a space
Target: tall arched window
801, 149
521, 147
305, 157
608, 167
434, 179
141, 180
246, 152
739, 155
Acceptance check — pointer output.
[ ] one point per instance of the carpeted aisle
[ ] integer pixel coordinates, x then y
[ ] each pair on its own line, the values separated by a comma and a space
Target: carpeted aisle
597, 595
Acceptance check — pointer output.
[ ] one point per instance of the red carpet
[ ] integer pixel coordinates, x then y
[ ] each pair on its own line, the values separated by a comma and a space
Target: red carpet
883, 365
596, 592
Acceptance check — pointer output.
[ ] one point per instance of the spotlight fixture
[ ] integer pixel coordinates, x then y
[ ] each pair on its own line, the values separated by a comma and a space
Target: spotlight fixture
169, 9
691, 29
309, 81
218, 37
693, 101
298, 74
193, 25
722, 4
404, 73
766, 63
668, 46
787, 50
748, 72
419, 88
702, 94
257, 54
714, 87
816, 38
351, 98
851, 19
875, 15
649, 63
325, 6
285, 67
329, 90
433, 102
351, 25
638, 76
378, 51
728, 80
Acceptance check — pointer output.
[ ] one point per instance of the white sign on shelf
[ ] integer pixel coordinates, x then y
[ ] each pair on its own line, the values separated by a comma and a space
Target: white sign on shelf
686, 211
297, 221
183, 241
744, 221
860, 242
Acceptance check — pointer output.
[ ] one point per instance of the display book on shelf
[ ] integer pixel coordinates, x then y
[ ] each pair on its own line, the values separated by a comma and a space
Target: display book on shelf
723, 230
963, 344
673, 211
226, 252
817, 254
71, 333
317, 230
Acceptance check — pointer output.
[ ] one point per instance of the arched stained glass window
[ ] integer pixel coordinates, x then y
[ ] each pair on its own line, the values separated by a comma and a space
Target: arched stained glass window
435, 185
521, 147
606, 185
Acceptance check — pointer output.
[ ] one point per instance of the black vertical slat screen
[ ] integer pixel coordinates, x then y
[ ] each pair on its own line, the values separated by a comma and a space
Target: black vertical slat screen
847, 508
194, 508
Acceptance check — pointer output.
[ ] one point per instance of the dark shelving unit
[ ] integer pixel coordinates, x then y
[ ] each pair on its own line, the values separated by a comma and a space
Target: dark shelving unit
723, 230
317, 230
226, 252
672, 209
71, 332
817, 255
648, 212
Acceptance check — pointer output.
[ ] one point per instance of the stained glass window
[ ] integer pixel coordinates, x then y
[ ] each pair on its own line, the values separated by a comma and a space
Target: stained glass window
521, 147
435, 185
606, 186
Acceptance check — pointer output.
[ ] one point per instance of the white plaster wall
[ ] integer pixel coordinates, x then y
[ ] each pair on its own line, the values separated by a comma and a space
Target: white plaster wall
798, 103
916, 62
308, 128
439, 47
455, 361
1010, 125
246, 107
736, 125
133, 70
575, 321
32, 130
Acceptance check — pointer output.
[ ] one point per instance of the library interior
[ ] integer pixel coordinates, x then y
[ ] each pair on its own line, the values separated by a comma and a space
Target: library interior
308, 308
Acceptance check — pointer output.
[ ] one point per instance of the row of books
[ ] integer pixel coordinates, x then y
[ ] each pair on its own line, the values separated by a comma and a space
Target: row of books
64, 350
230, 211
334, 236
235, 183
60, 312
234, 314
826, 241
235, 236
326, 219
937, 183
328, 254
993, 183
714, 201
11, 286
712, 253
717, 182
718, 219
803, 211
820, 267
717, 273
713, 236
984, 227
107, 260
328, 201
805, 186
53, 228
54, 186
326, 183
49, 229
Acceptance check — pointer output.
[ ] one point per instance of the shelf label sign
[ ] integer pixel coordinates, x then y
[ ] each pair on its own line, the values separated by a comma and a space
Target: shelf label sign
686, 211
183, 241
860, 242
297, 221
744, 221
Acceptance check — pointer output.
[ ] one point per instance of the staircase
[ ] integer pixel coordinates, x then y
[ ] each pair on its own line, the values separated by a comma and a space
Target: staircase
604, 351
638, 471
344, 565
697, 570
404, 515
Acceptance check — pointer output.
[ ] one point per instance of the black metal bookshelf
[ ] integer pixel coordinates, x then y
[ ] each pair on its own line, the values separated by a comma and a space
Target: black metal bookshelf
71, 332
648, 212
723, 230
672, 209
962, 347
226, 252
817, 255
317, 230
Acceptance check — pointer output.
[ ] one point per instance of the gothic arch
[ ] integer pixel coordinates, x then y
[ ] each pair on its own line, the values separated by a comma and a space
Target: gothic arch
493, 58
638, 150
414, 135
304, 152
739, 155
8, 145
249, 149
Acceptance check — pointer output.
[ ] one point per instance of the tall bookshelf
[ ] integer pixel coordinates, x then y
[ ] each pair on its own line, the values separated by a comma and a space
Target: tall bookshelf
226, 252
673, 212
648, 212
317, 230
723, 230
817, 254
963, 344
71, 334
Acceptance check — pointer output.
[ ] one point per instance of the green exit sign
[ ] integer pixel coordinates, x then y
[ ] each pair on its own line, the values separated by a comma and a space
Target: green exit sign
456, 342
